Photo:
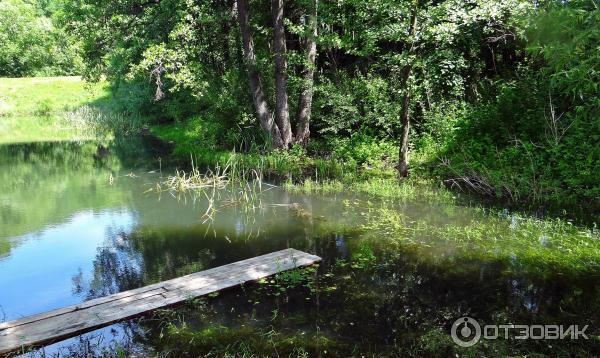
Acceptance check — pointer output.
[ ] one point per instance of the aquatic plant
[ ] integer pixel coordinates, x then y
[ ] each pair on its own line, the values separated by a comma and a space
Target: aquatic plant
289, 280
386, 188
526, 244
196, 180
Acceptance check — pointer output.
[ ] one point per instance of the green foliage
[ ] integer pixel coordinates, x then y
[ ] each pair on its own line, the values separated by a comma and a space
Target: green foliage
503, 96
363, 257
206, 142
30, 43
536, 137
354, 103
289, 280
364, 150
435, 342
191, 54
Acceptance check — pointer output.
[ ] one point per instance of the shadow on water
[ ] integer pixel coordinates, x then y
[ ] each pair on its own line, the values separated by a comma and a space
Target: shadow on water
395, 292
360, 300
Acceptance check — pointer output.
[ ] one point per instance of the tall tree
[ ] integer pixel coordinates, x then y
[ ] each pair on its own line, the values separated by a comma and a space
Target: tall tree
281, 128
405, 113
258, 95
282, 112
306, 94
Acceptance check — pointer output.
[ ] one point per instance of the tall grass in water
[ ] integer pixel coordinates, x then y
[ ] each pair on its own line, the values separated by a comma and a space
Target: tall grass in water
218, 178
196, 180
222, 186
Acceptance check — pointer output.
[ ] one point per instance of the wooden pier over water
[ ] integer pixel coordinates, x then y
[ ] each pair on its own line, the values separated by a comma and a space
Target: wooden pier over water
53, 326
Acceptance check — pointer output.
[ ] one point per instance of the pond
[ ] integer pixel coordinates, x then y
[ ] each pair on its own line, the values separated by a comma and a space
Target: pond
80, 221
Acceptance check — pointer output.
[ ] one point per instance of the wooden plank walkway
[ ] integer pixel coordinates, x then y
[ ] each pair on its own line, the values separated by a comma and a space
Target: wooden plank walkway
53, 326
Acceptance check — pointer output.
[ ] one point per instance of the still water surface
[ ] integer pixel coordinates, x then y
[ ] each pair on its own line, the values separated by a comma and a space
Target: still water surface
76, 225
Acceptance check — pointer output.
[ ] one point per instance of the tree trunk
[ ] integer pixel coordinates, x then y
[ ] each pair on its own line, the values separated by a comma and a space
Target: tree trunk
405, 115
306, 96
260, 103
405, 120
282, 112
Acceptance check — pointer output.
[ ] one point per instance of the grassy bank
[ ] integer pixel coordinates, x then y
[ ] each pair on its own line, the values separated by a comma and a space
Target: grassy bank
201, 141
360, 163
38, 109
312, 170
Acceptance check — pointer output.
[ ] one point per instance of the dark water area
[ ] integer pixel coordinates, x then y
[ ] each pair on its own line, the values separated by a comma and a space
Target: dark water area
78, 223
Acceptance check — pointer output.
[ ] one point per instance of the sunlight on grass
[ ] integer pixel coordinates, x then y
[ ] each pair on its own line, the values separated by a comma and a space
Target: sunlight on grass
542, 247
34, 109
418, 190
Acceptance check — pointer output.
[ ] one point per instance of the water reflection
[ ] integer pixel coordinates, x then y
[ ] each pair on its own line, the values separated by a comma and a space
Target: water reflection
68, 233
33, 275
75, 227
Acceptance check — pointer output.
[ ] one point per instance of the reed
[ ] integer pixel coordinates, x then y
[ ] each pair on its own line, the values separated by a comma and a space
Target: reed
229, 186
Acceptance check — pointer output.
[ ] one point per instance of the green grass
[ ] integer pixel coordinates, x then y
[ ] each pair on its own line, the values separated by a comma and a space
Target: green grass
206, 142
386, 188
35, 109
192, 137
300, 172
540, 247
200, 140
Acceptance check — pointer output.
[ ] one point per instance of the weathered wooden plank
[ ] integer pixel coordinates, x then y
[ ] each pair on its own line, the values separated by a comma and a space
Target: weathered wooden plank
158, 286
70, 321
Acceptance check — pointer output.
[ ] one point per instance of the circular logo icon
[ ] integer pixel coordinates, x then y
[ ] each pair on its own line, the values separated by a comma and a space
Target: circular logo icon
466, 332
